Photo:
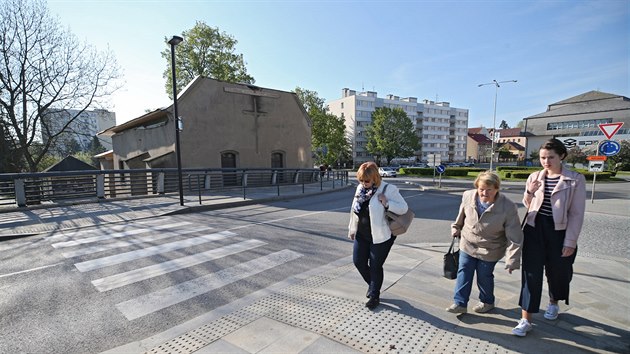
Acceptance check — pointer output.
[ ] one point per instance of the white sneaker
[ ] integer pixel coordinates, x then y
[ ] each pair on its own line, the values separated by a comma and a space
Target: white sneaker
522, 328
552, 312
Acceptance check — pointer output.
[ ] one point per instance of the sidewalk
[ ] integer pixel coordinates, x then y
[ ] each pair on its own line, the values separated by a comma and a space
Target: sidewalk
322, 310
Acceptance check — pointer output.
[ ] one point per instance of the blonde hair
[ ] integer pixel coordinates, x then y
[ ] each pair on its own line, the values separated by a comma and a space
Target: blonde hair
369, 171
489, 178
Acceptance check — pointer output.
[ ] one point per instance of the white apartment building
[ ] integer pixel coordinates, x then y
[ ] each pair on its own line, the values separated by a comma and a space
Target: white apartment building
83, 129
442, 129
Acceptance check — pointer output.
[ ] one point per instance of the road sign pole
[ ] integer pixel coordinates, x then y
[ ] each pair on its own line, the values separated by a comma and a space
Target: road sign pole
595, 174
434, 169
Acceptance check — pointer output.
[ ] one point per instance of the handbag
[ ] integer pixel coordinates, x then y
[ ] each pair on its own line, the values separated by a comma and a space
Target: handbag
451, 262
399, 224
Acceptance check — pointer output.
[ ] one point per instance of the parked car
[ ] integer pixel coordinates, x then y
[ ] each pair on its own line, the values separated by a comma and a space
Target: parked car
467, 164
387, 171
453, 164
420, 165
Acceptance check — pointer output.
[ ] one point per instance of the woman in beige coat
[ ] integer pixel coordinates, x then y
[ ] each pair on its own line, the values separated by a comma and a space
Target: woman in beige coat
489, 228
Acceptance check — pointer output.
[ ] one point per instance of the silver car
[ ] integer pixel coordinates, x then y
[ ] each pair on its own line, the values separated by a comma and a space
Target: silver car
387, 171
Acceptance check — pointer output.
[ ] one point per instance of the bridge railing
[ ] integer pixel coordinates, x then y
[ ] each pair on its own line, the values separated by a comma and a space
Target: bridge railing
26, 189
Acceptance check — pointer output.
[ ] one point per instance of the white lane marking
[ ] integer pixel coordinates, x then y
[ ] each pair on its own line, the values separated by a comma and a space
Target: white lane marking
117, 227
11, 246
146, 304
136, 275
30, 270
116, 235
139, 240
145, 252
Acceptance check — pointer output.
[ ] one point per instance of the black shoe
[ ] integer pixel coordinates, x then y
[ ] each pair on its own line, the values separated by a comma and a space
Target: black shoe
372, 303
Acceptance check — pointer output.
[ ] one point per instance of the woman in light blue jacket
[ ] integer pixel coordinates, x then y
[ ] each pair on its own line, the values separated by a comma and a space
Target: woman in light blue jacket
369, 229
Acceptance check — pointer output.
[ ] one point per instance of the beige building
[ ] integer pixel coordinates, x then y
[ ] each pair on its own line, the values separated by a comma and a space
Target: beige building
478, 148
442, 129
225, 125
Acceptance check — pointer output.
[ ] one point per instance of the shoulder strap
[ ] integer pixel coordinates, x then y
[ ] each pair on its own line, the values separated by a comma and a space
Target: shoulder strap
385, 187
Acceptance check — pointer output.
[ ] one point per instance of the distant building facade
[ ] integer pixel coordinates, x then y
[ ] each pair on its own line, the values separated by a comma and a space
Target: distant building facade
478, 148
575, 121
442, 129
81, 130
225, 125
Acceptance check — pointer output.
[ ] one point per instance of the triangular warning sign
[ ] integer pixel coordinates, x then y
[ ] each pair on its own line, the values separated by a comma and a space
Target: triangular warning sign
610, 129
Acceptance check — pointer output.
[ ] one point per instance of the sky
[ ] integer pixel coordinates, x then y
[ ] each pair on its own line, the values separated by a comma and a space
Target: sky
437, 50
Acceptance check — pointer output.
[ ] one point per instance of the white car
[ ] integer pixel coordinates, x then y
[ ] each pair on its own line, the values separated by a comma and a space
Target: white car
387, 171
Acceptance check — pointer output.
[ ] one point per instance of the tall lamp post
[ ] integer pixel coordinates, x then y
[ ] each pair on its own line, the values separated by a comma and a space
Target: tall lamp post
494, 117
173, 42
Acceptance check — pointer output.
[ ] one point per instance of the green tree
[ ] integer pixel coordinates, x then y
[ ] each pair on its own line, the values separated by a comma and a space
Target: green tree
504, 125
328, 140
45, 69
205, 52
622, 159
575, 155
391, 134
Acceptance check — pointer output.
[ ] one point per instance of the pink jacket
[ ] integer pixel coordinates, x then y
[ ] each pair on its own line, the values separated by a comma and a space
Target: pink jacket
568, 202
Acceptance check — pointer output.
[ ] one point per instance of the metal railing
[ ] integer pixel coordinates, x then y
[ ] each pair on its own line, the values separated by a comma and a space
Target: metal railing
26, 189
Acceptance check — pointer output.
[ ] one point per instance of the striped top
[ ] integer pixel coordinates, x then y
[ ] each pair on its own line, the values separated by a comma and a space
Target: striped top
550, 184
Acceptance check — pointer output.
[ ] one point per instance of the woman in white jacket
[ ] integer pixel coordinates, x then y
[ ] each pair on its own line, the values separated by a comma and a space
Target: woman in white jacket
369, 228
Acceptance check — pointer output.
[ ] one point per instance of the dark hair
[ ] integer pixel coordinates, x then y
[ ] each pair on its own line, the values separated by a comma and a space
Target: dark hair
557, 146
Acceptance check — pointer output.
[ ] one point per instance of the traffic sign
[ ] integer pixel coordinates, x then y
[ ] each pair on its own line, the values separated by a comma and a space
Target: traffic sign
610, 129
440, 169
596, 166
596, 158
609, 148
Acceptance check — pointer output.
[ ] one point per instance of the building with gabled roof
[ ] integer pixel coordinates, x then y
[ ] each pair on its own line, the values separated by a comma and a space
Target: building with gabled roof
478, 148
225, 125
575, 120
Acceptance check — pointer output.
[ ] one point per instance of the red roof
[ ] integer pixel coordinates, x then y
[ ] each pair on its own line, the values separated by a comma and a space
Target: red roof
480, 138
509, 132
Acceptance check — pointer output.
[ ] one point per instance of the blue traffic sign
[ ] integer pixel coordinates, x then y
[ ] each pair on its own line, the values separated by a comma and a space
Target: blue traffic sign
440, 169
609, 148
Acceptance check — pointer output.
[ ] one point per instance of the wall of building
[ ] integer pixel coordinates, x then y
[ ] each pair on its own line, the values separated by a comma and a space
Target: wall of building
252, 123
442, 129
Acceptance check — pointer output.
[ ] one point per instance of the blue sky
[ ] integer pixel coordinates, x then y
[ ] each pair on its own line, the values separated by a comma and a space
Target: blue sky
426, 49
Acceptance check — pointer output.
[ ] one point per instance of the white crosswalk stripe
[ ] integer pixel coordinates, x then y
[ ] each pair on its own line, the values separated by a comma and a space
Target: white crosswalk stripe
136, 275
155, 301
116, 235
150, 251
135, 241
144, 234
146, 224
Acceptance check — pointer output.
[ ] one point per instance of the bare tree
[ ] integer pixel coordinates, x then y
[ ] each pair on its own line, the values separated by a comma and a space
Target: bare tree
45, 70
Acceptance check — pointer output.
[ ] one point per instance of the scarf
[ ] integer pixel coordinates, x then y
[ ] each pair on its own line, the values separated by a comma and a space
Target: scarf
481, 206
363, 196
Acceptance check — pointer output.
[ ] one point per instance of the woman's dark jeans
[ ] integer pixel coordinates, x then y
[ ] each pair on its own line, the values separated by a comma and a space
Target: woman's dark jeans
369, 258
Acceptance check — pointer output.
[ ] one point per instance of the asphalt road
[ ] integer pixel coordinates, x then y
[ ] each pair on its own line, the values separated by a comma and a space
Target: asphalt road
98, 288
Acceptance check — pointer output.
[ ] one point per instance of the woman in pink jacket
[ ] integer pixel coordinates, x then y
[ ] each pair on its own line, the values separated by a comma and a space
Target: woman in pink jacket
555, 199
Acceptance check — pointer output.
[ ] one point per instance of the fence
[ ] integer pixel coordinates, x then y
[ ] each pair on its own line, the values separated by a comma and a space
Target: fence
25, 189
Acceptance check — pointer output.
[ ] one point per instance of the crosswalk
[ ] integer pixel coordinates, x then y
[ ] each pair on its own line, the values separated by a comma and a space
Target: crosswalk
141, 237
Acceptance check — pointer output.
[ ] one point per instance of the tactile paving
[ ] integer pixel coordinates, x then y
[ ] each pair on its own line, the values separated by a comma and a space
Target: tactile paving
448, 342
186, 343
383, 331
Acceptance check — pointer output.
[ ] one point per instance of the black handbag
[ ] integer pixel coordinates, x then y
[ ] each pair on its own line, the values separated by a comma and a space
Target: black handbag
451, 262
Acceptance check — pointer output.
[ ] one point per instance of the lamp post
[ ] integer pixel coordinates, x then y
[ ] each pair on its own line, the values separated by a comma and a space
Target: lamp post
173, 42
494, 117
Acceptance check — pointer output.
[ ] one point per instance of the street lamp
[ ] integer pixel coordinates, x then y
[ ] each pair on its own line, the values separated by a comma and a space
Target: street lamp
494, 117
173, 42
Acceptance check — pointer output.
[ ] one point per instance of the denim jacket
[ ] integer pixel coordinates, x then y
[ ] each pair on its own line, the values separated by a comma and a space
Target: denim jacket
568, 203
